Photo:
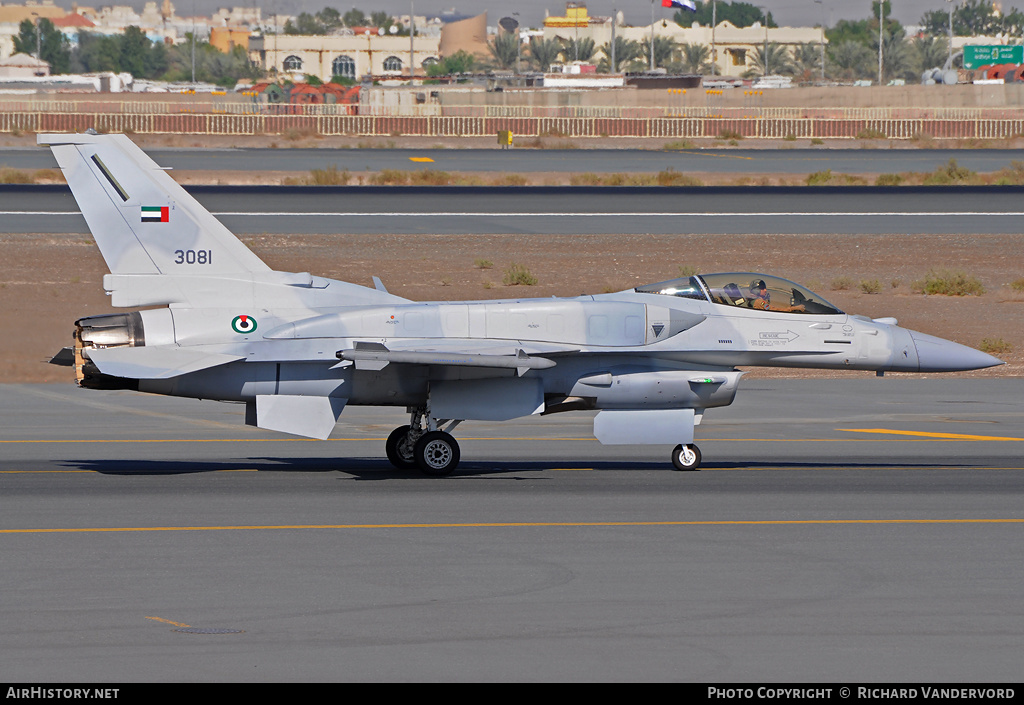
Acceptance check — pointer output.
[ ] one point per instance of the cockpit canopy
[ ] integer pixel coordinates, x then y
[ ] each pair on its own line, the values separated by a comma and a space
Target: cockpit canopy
761, 292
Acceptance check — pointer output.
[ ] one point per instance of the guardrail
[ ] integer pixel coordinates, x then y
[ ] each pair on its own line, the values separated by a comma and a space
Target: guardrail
677, 106
673, 128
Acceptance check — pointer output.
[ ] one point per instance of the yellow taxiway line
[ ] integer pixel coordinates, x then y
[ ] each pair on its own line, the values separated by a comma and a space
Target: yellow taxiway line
929, 434
513, 525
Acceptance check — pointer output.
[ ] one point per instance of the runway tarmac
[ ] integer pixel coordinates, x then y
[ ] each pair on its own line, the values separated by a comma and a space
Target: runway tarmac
563, 210
848, 530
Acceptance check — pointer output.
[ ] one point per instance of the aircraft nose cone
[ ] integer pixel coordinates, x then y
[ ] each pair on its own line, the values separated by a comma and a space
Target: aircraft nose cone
940, 355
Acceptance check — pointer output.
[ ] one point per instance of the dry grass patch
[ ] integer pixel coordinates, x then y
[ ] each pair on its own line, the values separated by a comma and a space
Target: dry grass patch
947, 282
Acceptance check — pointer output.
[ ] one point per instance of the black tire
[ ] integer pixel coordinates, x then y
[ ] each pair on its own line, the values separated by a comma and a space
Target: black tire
397, 458
437, 453
686, 458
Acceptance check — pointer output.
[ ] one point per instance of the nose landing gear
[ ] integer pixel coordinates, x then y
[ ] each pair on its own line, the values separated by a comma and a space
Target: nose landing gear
686, 457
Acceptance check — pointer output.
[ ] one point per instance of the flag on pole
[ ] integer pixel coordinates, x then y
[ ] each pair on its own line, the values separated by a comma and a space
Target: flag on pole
681, 4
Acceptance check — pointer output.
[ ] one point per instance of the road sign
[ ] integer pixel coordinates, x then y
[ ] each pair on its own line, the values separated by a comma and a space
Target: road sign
977, 56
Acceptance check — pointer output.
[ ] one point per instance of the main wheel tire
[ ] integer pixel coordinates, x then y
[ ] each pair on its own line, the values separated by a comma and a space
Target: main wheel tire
401, 460
686, 457
437, 453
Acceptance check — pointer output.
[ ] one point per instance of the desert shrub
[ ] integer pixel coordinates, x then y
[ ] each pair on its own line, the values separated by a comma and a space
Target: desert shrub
679, 144
841, 283
817, 141
587, 178
729, 135
430, 177
483, 264
671, 177
328, 177
1017, 284
948, 283
819, 178
15, 176
511, 180
870, 286
517, 274
994, 346
790, 137
888, 180
390, 177
951, 173
1012, 175
687, 271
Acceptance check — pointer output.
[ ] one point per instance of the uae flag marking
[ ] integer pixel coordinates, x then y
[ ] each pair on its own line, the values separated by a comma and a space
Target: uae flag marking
156, 214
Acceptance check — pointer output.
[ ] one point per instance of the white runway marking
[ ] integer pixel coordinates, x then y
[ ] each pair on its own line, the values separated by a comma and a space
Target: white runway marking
465, 214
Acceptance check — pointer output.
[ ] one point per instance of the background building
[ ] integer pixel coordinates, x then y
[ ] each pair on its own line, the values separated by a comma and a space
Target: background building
349, 56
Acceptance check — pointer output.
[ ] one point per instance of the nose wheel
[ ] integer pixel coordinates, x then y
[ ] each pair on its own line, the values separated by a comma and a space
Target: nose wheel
686, 457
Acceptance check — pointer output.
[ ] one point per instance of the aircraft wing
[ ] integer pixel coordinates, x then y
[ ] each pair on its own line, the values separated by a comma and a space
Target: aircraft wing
161, 362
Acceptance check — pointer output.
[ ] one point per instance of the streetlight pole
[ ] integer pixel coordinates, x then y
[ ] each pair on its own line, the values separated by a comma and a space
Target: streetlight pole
765, 10
412, 42
714, 52
652, 35
519, 40
39, 41
576, 27
950, 60
615, 66
881, 24
822, 3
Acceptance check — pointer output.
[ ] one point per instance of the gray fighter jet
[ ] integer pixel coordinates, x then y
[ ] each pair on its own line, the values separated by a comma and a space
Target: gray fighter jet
218, 323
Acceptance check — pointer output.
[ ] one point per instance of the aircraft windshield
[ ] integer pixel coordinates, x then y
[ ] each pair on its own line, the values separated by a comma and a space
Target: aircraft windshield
764, 293
688, 288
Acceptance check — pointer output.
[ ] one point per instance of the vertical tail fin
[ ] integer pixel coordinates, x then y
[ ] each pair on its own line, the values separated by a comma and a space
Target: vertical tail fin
144, 222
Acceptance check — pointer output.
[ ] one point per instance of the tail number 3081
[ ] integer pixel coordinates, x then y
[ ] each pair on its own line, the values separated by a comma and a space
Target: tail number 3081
193, 256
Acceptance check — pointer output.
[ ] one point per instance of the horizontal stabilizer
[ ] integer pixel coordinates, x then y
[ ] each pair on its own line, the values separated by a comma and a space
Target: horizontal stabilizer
64, 358
155, 362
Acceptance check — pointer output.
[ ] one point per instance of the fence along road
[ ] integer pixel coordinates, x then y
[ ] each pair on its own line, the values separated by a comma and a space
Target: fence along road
671, 123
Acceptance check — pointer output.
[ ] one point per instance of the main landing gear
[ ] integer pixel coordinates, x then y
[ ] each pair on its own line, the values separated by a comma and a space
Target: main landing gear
435, 452
686, 457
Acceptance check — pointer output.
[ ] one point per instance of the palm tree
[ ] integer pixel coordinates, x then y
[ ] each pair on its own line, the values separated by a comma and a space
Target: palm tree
544, 52
928, 53
625, 50
664, 48
897, 59
849, 60
505, 49
580, 50
807, 61
695, 58
772, 58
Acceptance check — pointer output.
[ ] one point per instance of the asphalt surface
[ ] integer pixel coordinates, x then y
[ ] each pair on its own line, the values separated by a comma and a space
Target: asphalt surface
853, 530
741, 161
563, 210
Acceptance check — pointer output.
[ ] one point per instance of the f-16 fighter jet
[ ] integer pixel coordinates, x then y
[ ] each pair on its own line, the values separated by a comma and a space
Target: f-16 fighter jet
213, 321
